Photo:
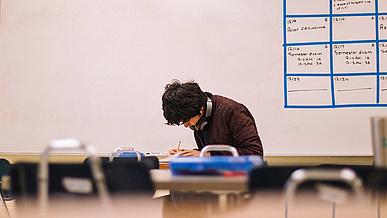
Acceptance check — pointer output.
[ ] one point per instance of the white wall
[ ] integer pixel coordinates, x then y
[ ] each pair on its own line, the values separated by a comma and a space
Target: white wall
95, 70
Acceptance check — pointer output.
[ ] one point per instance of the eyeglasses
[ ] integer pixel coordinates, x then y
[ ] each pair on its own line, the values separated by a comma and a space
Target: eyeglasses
182, 122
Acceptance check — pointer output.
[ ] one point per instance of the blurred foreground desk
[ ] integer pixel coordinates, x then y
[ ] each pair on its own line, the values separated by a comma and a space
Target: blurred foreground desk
308, 205
163, 179
203, 194
67, 207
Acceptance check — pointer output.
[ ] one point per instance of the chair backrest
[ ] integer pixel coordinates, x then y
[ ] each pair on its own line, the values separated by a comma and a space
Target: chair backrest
128, 177
5, 167
274, 177
127, 152
270, 177
151, 162
75, 182
5, 189
63, 179
76, 179
332, 185
374, 178
104, 160
325, 180
5, 174
130, 154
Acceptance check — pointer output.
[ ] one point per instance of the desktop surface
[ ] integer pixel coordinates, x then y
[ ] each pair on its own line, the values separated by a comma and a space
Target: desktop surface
164, 179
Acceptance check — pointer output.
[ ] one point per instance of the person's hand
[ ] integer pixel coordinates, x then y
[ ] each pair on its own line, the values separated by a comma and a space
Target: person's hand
190, 153
193, 153
174, 151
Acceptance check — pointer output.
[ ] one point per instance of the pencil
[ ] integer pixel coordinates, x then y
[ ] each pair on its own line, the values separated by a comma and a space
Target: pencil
178, 145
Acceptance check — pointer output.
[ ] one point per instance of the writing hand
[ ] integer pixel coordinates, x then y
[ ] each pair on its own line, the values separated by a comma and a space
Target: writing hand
190, 153
174, 151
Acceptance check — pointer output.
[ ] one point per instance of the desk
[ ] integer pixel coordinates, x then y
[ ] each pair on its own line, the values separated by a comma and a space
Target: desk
163, 179
120, 206
272, 204
224, 188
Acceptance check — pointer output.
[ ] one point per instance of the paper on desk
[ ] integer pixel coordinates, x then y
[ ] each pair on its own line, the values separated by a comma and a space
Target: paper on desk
168, 159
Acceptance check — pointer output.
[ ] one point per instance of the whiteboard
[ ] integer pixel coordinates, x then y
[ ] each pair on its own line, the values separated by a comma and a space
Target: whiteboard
95, 70
335, 55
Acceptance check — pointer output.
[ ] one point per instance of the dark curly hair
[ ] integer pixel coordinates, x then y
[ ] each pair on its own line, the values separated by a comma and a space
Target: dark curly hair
182, 101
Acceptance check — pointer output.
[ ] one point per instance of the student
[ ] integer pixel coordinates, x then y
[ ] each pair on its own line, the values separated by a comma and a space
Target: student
214, 119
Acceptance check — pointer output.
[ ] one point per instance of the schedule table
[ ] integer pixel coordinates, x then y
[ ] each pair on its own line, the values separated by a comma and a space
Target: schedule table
335, 53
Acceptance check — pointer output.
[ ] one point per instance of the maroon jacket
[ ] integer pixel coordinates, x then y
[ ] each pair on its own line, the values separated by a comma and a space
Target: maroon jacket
230, 123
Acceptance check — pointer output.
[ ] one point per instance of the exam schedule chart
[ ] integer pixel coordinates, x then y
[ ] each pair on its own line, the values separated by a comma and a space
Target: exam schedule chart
335, 53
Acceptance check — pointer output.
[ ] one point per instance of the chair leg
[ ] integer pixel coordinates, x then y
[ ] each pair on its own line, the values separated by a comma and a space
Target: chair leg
4, 205
286, 208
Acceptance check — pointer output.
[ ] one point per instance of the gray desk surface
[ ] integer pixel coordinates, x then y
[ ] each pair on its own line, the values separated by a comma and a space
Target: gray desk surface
163, 179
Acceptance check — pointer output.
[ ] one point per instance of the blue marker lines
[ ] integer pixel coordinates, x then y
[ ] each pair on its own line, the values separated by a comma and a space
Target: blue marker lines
333, 57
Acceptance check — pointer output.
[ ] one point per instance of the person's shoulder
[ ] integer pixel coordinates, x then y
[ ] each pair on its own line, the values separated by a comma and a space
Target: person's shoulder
224, 99
226, 103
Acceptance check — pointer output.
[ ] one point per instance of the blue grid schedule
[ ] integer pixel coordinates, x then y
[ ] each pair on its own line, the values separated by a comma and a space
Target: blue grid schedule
335, 53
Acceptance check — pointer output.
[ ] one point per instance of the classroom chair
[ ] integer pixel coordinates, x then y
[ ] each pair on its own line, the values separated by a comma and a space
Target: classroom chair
128, 174
121, 155
270, 178
310, 178
330, 184
184, 203
152, 162
217, 148
127, 177
26, 181
31, 180
374, 179
5, 190
76, 181
274, 177
371, 176
126, 152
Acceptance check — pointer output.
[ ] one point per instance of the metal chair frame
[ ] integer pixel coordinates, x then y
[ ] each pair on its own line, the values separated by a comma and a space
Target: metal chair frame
96, 169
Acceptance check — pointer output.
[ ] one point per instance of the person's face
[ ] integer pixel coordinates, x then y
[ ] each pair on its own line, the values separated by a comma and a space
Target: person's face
193, 120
